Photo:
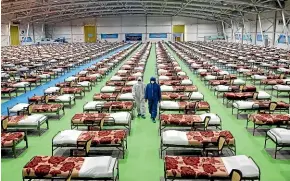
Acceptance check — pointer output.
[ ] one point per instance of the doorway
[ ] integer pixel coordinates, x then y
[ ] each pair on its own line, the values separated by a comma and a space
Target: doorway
90, 34
14, 35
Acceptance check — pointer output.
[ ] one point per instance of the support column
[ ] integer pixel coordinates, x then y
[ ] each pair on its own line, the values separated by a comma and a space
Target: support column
71, 34
42, 31
232, 27
285, 29
9, 33
146, 22
33, 33
171, 29
243, 33
27, 32
261, 28
256, 29
274, 29
225, 35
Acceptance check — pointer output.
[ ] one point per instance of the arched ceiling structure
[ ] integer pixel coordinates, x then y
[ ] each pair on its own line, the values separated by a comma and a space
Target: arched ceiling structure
55, 11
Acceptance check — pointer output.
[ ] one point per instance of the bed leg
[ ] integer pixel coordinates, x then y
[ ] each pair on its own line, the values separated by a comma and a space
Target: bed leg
123, 150
26, 140
14, 149
39, 130
275, 151
265, 143
254, 129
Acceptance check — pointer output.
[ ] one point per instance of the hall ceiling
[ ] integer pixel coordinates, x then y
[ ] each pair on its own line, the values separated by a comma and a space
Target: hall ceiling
52, 11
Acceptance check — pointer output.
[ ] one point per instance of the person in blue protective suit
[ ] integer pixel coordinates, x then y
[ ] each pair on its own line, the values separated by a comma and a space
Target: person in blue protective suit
153, 95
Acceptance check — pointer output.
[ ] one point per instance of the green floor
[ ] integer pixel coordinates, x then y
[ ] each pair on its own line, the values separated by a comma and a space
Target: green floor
142, 161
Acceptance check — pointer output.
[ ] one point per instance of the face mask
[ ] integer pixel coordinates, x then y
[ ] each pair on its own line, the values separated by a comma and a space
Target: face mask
152, 82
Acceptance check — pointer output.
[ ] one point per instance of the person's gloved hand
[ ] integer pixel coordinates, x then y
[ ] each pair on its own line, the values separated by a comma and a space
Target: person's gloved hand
145, 100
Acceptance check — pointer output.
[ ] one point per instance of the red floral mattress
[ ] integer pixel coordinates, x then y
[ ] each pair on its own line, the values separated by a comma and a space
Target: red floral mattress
269, 118
218, 82
248, 88
90, 79
173, 96
105, 96
272, 81
31, 80
169, 82
49, 166
166, 74
13, 120
72, 90
7, 90
238, 95
103, 137
179, 77
36, 98
199, 138
63, 84
115, 83
195, 167
8, 138
273, 76
265, 104
203, 74
179, 119
83, 118
46, 107
119, 105
200, 105
191, 88
127, 89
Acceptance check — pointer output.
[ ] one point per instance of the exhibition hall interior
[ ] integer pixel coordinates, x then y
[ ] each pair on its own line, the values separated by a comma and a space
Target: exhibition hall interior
145, 90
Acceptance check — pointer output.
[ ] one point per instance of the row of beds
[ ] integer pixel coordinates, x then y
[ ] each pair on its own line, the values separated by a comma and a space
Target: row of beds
188, 125
77, 166
244, 98
102, 131
23, 68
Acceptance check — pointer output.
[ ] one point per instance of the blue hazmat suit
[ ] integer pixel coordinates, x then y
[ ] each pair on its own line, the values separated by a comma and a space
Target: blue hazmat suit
153, 95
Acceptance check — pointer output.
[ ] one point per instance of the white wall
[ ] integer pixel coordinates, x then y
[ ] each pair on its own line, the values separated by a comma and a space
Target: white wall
4, 35
38, 34
194, 29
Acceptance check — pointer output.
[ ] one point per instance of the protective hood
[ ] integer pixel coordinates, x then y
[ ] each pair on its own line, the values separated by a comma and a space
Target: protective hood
153, 79
139, 78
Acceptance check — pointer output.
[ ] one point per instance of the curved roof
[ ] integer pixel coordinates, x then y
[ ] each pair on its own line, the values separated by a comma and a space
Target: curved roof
51, 11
